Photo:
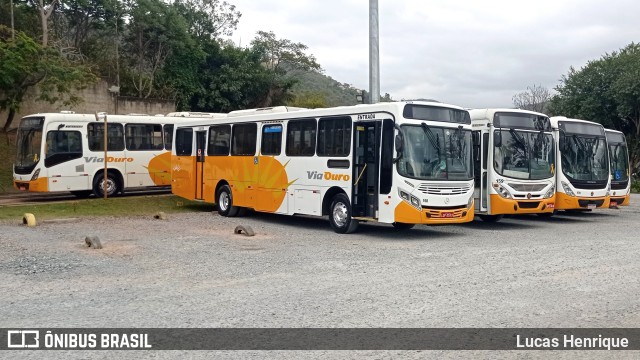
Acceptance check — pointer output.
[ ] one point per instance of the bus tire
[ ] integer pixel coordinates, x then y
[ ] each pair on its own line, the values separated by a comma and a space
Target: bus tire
491, 218
225, 202
403, 226
82, 194
340, 215
113, 185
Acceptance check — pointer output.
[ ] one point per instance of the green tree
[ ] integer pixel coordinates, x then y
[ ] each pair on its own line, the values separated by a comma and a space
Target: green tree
231, 78
209, 19
281, 57
606, 91
25, 64
154, 31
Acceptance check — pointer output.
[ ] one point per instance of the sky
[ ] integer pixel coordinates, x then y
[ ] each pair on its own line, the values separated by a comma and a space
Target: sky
469, 53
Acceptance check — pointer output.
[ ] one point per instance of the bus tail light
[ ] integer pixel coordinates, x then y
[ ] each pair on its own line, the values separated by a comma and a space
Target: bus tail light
35, 175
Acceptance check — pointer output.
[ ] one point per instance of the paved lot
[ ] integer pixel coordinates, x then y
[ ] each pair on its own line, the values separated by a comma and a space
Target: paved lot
578, 270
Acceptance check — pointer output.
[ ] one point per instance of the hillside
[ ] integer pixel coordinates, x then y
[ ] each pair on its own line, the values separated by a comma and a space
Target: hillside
314, 84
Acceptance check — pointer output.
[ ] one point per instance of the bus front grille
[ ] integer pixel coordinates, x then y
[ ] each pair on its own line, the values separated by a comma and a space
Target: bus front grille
436, 189
527, 187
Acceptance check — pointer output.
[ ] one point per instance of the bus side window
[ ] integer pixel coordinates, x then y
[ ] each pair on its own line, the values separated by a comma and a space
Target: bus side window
184, 141
485, 150
301, 138
219, 140
243, 139
271, 140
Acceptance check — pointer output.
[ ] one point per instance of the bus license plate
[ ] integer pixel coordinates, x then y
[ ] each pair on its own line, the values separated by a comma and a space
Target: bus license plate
446, 215
591, 206
614, 203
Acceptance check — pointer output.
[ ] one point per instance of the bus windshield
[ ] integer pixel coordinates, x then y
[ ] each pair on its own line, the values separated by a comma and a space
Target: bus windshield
584, 157
29, 139
434, 153
524, 154
619, 161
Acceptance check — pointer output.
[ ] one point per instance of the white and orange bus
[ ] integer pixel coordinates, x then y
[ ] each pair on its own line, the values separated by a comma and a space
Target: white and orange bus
620, 169
582, 176
514, 163
59, 152
402, 163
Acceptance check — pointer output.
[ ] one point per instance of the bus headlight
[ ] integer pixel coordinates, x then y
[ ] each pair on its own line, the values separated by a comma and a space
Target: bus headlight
414, 201
608, 189
35, 175
470, 202
567, 189
550, 193
502, 191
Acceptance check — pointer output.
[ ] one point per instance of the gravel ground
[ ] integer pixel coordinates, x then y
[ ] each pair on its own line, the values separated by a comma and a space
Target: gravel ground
578, 270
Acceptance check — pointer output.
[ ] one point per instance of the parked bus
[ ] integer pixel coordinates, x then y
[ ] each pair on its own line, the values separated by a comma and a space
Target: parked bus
582, 178
402, 163
514, 163
620, 169
65, 152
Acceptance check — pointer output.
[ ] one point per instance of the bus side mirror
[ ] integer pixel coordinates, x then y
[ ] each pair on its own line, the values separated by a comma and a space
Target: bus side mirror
497, 139
398, 143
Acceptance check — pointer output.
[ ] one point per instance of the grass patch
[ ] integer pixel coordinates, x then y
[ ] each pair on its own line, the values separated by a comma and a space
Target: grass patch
7, 154
120, 207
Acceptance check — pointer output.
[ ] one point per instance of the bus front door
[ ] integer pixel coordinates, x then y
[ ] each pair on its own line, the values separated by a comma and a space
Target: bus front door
201, 139
366, 160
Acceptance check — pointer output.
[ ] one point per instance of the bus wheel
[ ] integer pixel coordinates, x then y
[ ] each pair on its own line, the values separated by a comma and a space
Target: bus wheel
82, 194
340, 215
225, 202
490, 218
113, 186
403, 226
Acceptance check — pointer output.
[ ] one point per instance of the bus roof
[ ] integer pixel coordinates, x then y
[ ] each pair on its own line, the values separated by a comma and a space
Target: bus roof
86, 118
556, 119
292, 113
489, 113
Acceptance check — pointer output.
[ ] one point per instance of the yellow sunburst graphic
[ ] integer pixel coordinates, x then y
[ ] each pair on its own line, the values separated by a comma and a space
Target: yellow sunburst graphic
160, 169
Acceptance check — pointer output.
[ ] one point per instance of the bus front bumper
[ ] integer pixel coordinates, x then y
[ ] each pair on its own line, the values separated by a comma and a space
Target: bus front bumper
502, 206
566, 202
38, 185
408, 214
620, 200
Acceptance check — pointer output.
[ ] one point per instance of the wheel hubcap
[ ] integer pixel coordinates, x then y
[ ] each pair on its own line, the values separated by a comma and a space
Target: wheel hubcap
111, 186
340, 214
224, 201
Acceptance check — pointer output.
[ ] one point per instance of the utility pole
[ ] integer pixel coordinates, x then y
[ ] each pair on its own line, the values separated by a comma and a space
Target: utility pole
374, 53
13, 30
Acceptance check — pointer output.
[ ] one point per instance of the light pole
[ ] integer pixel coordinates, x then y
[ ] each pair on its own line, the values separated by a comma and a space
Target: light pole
13, 31
374, 53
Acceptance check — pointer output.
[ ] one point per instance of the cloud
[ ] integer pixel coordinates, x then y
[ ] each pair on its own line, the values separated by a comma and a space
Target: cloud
465, 52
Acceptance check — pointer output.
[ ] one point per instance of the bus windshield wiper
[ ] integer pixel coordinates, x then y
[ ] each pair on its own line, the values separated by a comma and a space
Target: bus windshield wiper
519, 139
432, 138
459, 141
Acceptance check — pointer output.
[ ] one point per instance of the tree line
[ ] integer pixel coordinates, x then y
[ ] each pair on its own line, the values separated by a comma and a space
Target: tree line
147, 49
605, 90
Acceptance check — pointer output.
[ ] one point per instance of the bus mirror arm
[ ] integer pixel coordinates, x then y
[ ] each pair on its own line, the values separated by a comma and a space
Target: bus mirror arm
399, 141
